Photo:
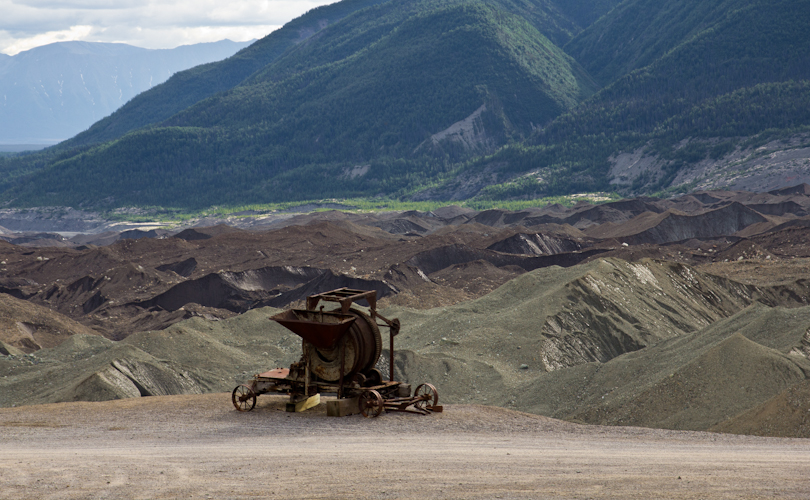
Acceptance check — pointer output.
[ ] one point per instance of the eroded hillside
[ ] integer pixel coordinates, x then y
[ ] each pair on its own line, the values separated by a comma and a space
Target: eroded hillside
636, 312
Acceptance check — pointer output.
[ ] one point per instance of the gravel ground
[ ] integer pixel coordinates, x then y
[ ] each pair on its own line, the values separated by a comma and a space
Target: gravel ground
199, 447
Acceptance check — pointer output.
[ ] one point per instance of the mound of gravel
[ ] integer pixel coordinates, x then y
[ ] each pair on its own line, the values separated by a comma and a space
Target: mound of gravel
554, 318
28, 327
191, 357
673, 225
692, 382
785, 415
729, 378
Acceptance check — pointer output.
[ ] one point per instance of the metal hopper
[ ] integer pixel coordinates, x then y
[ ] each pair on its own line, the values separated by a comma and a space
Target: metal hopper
321, 329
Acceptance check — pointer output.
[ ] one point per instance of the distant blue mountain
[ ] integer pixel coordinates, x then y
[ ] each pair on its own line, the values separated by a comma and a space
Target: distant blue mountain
53, 92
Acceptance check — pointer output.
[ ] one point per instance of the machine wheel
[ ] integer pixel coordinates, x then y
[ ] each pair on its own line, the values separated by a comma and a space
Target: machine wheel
428, 396
374, 377
371, 404
243, 397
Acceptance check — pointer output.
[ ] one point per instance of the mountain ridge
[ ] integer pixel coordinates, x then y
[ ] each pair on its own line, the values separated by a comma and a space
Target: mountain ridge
55, 91
395, 98
279, 135
160, 103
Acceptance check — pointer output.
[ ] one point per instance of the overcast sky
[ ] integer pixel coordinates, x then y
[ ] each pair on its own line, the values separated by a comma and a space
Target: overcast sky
152, 24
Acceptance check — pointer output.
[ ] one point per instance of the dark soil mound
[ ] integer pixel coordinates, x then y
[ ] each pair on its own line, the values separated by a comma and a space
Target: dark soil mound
603, 213
741, 250
192, 235
802, 189
499, 218
213, 290
437, 259
136, 234
792, 241
723, 221
37, 239
330, 281
271, 286
476, 278
535, 244
453, 211
779, 208
404, 226
184, 268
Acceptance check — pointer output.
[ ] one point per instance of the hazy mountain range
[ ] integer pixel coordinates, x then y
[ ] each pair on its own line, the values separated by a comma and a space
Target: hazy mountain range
458, 99
53, 92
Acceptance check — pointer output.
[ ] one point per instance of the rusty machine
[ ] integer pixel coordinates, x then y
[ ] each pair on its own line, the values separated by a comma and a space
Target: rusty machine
341, 348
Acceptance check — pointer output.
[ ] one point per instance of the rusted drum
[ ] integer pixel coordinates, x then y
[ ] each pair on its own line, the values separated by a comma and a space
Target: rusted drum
361, 347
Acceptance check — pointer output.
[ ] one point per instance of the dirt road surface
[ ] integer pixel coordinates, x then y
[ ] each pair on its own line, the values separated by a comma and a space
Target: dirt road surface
200, 447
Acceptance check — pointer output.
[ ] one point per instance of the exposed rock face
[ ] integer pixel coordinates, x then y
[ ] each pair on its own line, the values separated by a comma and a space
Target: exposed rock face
155, 380
804, 348
129, 378
535, 244
105, 385
775, 167
695, 381
468, 133
9, 350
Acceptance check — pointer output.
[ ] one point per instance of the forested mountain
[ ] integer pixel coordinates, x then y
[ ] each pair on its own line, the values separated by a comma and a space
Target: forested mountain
333, 115
192, 86
189, 87
451, 99
53, 92
761, 43
744, 75
639, 32
585, 12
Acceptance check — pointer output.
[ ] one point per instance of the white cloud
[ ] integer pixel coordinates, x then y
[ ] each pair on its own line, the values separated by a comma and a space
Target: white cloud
81, 4
153, 24
72, 33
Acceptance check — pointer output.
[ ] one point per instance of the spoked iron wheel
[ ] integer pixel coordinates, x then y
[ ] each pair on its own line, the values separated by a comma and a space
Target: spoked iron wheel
427, 396
371, 404
243, 397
